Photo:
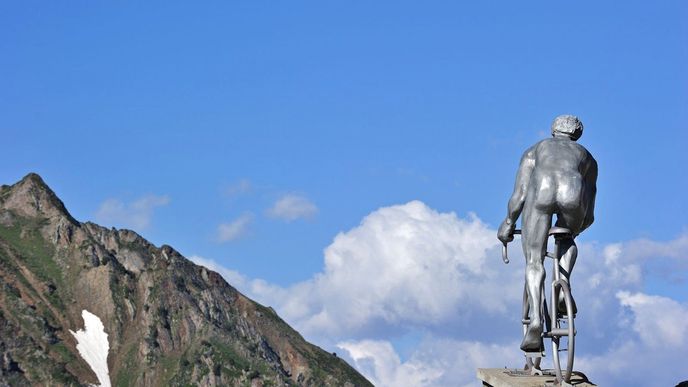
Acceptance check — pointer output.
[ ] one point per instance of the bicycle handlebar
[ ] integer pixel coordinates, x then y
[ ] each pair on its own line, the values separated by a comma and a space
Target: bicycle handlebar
557, 232
505, 256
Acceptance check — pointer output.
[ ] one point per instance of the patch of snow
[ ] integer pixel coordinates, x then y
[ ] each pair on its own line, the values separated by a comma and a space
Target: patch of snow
93, 346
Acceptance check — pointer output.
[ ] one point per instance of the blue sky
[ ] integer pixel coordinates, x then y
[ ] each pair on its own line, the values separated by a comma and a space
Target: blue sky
175, 118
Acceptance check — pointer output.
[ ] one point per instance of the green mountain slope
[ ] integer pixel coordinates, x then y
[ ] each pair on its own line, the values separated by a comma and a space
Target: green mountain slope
170, 322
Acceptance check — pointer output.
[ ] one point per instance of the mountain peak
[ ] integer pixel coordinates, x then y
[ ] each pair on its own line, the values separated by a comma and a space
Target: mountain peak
165, 320
32, 197
35, 179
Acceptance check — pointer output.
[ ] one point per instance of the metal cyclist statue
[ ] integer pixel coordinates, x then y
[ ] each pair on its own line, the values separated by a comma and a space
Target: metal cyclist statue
556, 176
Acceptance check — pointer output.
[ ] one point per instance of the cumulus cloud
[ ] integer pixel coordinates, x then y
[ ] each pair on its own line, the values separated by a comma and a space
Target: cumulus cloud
659, 321
648, 349
136, 215
235, 229
410, 269
651, 345
649, 249
291, 207
379, 362
404, 265
434, 362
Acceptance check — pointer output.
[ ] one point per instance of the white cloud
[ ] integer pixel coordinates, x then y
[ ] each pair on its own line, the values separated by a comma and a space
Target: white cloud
136, 215
403, 265
650, 347
434, 362
291, 207
410, 269
659, 321
379, 363
234, 229
649, 249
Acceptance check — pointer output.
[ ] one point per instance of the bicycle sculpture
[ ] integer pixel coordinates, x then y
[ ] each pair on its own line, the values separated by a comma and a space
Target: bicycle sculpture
556, 176
559, 322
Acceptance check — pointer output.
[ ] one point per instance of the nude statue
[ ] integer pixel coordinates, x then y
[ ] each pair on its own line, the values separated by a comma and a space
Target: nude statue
556, 176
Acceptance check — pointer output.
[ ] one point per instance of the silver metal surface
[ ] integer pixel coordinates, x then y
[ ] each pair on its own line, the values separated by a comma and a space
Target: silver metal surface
559, 321
556, 176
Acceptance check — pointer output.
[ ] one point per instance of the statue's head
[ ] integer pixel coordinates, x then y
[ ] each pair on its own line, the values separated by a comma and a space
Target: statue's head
568, 125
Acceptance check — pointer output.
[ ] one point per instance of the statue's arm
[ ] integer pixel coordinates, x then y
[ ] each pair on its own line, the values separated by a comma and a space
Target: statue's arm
518, 197
591, 186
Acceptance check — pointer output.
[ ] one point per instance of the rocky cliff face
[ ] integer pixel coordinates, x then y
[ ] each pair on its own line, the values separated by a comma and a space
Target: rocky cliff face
169, 322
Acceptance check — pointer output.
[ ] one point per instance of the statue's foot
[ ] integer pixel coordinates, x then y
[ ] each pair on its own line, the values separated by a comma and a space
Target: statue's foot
561, 305
532, 341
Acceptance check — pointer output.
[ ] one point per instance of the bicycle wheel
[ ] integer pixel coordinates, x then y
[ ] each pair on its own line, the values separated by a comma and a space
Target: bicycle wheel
531, 365
563, 333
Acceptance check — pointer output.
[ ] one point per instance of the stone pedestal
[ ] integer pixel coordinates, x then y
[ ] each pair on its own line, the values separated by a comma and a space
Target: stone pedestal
505, 377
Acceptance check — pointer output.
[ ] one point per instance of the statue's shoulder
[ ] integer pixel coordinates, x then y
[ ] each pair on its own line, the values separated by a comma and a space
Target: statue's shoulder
587, 157
592, 161
539, 145
531, 152
586, 151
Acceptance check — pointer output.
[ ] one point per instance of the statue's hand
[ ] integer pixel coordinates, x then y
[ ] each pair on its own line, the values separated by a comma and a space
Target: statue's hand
506, 232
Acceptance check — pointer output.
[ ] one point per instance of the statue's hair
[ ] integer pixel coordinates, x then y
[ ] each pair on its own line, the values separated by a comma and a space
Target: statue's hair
569, 125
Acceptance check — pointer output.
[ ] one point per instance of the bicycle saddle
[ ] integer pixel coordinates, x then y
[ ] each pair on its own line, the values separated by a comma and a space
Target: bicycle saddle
559, 231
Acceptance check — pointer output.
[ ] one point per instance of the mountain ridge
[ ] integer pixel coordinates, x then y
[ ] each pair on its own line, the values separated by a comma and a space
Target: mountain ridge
169, 321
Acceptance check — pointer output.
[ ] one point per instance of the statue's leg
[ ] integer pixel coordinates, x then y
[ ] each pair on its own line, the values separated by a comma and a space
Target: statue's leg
535, 225
573, 220
569, 253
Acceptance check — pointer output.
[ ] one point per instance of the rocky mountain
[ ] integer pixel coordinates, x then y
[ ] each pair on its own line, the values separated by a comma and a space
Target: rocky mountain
168, 321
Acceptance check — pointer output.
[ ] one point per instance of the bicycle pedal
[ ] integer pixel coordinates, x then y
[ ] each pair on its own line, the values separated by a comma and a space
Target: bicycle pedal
534, 354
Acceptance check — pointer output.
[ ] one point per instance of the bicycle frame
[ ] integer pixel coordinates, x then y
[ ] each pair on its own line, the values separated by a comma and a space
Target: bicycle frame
554, 319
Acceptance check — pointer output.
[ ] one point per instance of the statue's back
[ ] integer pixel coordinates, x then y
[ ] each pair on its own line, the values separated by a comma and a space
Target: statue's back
559, 155
558, 183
